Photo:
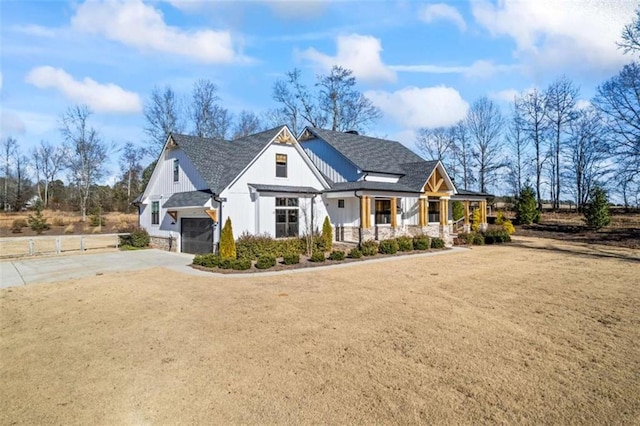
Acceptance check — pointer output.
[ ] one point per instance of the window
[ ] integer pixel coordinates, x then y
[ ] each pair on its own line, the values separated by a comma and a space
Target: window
383, 212
341, 204
281, 165
434, 211
155, 212
176, 170
286, 217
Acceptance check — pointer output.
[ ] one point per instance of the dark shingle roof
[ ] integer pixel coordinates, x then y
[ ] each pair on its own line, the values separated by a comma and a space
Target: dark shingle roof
188, 199
285, 188
417, 173
219, 161
371, 186
464, 192
367, 153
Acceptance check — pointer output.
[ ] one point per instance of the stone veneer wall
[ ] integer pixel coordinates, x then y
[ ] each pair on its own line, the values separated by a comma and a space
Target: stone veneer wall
163, 243
351, 233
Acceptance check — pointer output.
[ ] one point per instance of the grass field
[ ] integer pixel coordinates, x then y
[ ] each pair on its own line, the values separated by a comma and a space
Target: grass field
68, 223
539, 331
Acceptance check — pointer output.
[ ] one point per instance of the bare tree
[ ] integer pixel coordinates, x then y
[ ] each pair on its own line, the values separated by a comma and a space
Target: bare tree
21, 194
532, 108
48, 161
87, 152
210, 119
248, 123
131, 169
463, 154
586, 154
618, 99
9, 150
561, 98
519, 162
435, 144
631, 35
485, 122
163, 113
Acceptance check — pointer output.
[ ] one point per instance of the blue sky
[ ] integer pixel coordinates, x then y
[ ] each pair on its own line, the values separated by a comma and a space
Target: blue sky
422, 63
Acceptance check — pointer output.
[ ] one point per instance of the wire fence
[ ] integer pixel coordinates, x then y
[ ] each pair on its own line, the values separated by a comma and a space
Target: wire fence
33, 246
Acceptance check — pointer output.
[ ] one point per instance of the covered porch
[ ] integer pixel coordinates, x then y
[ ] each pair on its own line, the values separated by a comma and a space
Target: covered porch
471, 201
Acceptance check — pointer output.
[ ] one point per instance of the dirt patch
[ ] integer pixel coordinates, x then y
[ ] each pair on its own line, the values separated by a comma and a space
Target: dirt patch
538, 331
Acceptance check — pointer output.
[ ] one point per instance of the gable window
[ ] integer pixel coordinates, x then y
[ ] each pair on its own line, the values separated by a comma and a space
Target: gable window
286, 217
281, 165
155, 212
176, 170
341, 204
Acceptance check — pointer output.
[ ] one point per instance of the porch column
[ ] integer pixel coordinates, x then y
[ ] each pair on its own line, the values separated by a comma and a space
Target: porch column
483, 214
422, 216
466, 212
444, 215
394, 213
364, 212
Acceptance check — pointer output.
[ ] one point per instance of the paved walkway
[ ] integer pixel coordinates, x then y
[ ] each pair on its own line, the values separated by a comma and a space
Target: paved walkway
58, 268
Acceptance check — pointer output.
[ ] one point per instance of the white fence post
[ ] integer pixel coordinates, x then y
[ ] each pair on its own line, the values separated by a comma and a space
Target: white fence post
82, 243
32, 249
58, 245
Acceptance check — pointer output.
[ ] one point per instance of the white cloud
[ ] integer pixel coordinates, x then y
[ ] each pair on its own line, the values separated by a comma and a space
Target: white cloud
416, 107
100, 97
358, 53
478, 69
553, 33
136, 24
583, 104
10, 124
507, 95
444, 12
35, 30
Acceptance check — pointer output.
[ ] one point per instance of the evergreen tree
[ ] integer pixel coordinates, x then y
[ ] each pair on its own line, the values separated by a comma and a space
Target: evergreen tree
327, 234
597, 212
526, 207
227, 243
37, 222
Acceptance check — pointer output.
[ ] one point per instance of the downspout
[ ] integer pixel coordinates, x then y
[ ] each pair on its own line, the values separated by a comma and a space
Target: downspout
219, 201
313, 201
360, 220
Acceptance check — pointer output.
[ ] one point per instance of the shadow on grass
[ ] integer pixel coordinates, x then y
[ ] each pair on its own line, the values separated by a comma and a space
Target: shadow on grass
580, 250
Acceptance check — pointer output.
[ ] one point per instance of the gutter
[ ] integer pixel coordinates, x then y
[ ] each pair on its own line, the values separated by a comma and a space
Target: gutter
360, 227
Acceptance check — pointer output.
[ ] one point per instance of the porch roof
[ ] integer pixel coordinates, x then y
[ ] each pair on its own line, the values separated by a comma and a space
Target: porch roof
284, 189
188, 199
371, 186
463, 194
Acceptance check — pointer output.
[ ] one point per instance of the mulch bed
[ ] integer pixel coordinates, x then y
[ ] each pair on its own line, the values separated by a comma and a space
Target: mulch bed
615, 236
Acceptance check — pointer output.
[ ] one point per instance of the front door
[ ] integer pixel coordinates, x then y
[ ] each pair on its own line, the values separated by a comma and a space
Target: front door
196, 235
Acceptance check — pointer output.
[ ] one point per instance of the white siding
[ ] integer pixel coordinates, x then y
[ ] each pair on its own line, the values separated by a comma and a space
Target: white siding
347, 216
410, 211
330, 162
255, 214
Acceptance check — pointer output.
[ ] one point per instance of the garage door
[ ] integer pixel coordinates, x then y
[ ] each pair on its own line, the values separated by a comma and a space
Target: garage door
197, 235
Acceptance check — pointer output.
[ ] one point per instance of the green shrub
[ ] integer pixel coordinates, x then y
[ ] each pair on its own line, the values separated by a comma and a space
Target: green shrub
250, 246
291, 258
209, 260
405, 243
596, 214
318, 244
437, 243
17, 225
475, 220
497, 237
226, 263
388, 247
317, 256
476, 239
463, 239
526, 207
136, 238
241, 264
421, 242
457, 210
266, 261
337, 255
369, 248
355, 253
327, 234
227, 243
37, 222
97, 220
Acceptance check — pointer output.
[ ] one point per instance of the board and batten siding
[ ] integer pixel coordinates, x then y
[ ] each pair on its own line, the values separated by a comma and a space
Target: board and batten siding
162, 187
330, 162
256, 214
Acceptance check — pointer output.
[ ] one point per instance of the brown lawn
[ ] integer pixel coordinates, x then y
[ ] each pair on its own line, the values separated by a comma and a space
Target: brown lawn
535, 332
66, 223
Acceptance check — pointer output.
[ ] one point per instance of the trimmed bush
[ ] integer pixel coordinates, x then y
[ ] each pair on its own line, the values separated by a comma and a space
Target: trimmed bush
475, 220
463, 239
266, 262
337, 255
476, 239
421, 242
253, 246
317, 256
497, 237
291, 258
355, 253
226, 263
227, 243
136, 238
369, 248
505, 223
596, 214
405, 243
327, 234
388, 247
437, 243
241, 264
526, 207
17, 225
209, 260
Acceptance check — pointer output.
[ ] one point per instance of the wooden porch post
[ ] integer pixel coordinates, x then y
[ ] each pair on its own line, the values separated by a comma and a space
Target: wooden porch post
443, 212
422, 212
363, 211
394, 213
466, 212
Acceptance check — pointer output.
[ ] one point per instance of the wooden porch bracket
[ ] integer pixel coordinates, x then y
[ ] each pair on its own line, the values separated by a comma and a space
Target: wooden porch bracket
213, 214
173, 214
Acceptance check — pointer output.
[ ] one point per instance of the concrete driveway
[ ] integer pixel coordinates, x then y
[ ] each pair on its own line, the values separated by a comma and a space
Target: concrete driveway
58, 268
